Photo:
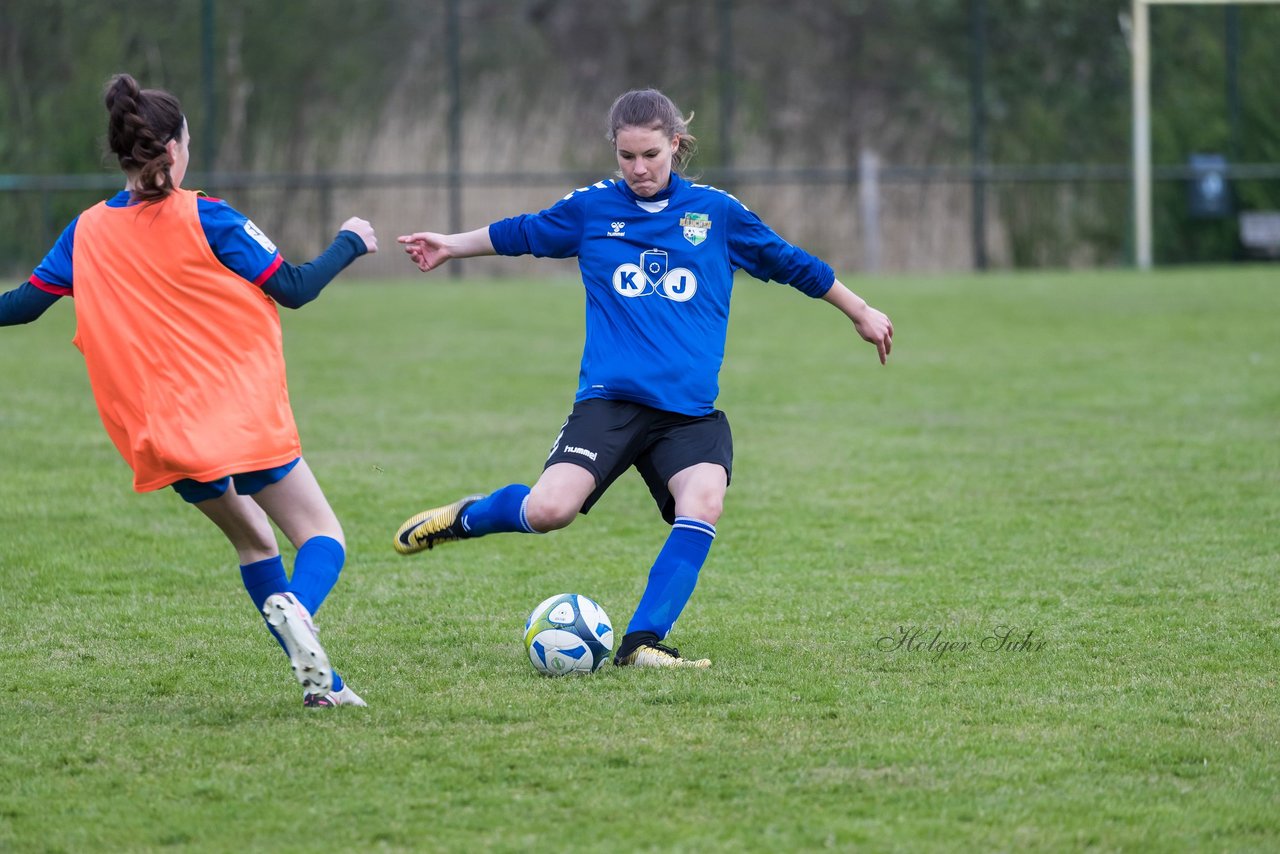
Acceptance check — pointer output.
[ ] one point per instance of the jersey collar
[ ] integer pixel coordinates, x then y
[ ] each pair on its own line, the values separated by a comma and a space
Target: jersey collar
661, 196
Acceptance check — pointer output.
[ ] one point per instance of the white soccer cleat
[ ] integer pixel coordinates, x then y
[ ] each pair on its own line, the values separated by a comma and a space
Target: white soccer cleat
345, 697
292, 623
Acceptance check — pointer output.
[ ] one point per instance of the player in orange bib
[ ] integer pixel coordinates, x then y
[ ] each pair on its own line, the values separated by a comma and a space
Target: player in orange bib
175, 297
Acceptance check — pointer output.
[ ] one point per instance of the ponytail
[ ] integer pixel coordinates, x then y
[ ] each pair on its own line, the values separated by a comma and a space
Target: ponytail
141, 123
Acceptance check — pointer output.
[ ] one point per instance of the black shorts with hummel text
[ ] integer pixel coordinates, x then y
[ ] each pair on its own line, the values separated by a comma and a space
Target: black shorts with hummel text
607, 437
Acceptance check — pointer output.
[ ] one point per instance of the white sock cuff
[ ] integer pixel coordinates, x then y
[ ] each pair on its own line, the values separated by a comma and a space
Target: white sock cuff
692, 524
524, 518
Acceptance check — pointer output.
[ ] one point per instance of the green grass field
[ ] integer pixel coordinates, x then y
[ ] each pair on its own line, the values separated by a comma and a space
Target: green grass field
1091, 458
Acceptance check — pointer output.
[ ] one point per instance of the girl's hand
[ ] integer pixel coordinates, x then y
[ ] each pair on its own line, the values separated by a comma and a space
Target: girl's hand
364, 231
426, 249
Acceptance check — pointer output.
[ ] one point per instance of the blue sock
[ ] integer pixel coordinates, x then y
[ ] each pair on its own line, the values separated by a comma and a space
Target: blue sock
315, 571
498, 512
673, 576
261, 579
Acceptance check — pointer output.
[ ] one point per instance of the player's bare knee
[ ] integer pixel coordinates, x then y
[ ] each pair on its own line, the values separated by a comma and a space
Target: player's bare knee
299, 535
705, 508
255, 549
335, 534
332, 529
552, 515
253, 543
708, 515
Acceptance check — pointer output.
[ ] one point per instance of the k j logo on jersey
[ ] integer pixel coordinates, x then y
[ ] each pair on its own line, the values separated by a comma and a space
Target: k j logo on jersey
696, 226
654, 275
654, 264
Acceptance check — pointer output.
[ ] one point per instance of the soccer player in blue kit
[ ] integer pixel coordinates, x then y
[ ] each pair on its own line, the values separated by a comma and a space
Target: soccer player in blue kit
657, 254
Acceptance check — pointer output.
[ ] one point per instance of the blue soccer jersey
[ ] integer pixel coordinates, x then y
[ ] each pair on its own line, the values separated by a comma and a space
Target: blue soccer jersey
658, 274
234, 239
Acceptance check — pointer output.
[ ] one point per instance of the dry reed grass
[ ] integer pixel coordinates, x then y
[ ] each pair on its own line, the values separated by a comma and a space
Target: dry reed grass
924, 227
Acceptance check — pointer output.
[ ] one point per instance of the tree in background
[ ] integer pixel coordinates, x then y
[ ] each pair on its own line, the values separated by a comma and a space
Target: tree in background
322, 86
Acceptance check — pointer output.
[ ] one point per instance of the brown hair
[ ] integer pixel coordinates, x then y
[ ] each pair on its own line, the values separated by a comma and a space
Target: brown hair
142, 122
649, 108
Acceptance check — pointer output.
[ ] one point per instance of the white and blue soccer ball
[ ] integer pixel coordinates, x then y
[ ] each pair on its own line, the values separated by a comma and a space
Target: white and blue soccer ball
568, 633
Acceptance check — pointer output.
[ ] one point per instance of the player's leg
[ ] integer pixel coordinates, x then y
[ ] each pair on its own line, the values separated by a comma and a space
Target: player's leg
551, 504
247, 527
599, 441
579, 468
296, 503
241, 521
291, 496
699, 496
244, 524
692, 500
558, 496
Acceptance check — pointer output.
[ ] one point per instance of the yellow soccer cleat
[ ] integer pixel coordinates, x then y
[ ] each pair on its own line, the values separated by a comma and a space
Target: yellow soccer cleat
652, 654
432, 527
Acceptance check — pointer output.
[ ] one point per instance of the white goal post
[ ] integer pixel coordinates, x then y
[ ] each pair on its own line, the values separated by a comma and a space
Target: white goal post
1142, 118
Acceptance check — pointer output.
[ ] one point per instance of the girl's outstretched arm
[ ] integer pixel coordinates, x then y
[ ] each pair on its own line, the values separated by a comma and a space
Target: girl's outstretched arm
874, 326
24, 304
429, 250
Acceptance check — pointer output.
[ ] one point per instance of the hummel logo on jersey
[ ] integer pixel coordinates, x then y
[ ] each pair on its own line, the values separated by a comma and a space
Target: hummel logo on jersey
654, 276
574, 449
616, 229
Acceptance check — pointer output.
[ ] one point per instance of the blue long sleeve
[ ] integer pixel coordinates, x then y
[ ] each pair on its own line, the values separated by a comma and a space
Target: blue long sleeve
295, 286
757, 248
24, 304
553, 233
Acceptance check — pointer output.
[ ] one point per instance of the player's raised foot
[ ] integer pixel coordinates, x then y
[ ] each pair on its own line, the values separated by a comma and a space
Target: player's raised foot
654, 654
432, 527
345, 697
292, 622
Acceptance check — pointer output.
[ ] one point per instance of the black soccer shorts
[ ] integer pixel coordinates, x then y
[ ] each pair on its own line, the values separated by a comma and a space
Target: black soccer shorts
607, 437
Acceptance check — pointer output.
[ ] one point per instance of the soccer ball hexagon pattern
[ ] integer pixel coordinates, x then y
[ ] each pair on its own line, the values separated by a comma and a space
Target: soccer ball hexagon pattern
568, 633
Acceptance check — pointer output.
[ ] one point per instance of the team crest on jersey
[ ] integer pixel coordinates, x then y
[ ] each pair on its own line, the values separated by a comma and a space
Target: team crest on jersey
696, 226
655, 275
